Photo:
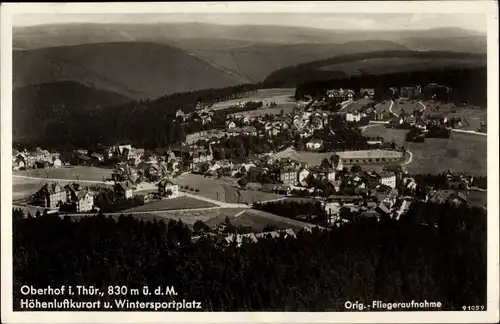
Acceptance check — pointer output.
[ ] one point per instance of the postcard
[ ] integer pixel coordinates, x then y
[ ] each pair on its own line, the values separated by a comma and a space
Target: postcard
240, 162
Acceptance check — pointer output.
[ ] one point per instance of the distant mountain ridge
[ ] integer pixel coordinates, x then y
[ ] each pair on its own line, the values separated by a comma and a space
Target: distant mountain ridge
74, 34
151, 60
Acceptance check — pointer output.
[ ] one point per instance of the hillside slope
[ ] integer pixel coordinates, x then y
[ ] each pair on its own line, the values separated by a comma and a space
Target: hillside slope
33, 107
257, 60
376, 63
136, 70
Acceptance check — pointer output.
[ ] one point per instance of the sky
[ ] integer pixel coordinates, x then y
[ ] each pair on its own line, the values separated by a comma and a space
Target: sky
336, 21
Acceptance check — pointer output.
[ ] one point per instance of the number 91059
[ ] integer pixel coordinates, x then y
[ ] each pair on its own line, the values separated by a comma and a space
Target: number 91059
473, 308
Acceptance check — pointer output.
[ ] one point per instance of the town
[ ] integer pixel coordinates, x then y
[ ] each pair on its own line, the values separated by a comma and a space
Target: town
351, 175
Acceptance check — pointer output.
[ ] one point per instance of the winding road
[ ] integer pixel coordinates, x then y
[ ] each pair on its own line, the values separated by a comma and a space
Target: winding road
390, 108
410, 159
468, 132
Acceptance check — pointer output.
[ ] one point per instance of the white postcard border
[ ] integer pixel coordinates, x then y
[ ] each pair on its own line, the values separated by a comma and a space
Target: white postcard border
489, 8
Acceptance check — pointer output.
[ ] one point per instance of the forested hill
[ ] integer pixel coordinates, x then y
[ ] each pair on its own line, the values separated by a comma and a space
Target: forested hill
380, 62
144, 123
468, 84
134, 69
35, 106
434, 253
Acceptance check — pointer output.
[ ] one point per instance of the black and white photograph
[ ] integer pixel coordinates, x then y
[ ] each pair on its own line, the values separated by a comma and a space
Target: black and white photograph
274, 162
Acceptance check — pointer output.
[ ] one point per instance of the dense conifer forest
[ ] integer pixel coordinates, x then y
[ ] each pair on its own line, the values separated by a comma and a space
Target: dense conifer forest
433, 253
468, 84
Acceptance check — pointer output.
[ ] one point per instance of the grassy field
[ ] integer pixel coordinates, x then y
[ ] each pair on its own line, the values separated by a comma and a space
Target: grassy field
266, 111
69, 173
408, 106
173, 203
258, 220
473, 116
211, 217
282, 97
356, 105
222, 189
459, 153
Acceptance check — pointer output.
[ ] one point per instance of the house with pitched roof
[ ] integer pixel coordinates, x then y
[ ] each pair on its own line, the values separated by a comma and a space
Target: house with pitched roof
84, 201
367, 93
51, 195
354, 116
124, 189
167, 188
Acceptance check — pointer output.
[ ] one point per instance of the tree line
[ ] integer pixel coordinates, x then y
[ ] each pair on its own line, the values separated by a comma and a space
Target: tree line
468, 84
400, 260
144, 123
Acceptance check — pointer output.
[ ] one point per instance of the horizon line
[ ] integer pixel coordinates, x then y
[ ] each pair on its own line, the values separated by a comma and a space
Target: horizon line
250, 25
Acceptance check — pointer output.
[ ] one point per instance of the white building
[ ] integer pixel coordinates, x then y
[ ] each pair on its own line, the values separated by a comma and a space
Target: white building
388, 179
230, 124
314, 144
84, 201
353, 116
57, 163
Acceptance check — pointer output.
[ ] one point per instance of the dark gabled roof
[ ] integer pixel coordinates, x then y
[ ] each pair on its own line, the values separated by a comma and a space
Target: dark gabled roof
81, 194
165, 182
49, 188
83, 157
96, 155
73, 186
370, 91
126, 185
383, 189
384, 208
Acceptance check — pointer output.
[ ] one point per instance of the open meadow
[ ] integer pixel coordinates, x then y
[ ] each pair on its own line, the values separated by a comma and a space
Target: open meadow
408, 106
266, 111
356, 105
68, 173
224, 189
459, 153
282, 97
181, 202
258, 220
211, 217
471, 116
